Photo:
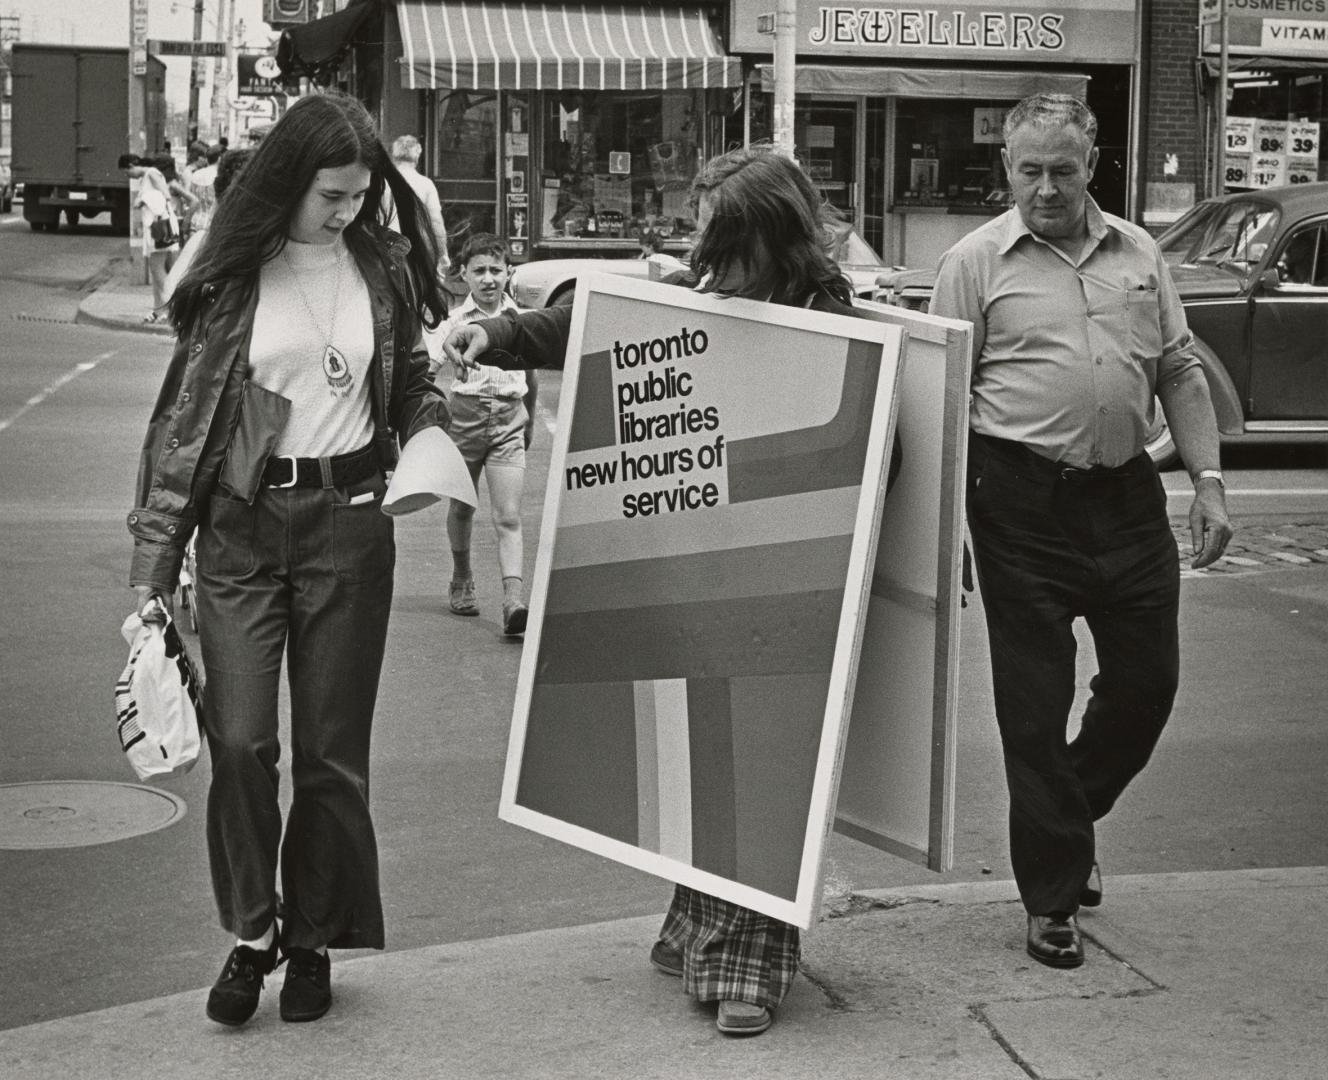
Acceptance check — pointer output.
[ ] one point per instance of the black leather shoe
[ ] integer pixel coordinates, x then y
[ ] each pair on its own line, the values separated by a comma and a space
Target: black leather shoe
307, 992
234, 997
1054, 940
1091, 894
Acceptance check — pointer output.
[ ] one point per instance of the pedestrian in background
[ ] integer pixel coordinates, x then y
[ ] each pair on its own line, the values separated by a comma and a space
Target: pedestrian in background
154, 203
1076, 326
201, 183
298, 367
492, 422
761, 233
406, 151
183, 201
228, 167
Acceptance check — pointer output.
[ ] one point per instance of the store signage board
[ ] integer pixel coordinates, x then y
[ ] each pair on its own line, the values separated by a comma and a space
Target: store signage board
1099, 32
257, 75
701, 586
897, 789
1289, 30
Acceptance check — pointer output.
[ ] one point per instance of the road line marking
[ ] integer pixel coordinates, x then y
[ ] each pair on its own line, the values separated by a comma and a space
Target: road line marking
67, 377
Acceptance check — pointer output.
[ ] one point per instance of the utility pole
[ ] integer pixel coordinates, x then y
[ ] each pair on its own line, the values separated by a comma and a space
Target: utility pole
786, 50
1224, 75
194, 64
224, 122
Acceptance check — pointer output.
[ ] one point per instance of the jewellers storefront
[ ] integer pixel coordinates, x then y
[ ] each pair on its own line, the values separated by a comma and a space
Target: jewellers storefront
898, 110
1276, 100
567, 128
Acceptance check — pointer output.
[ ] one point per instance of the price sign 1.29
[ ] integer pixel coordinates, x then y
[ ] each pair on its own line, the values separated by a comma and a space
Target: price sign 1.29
1240, 134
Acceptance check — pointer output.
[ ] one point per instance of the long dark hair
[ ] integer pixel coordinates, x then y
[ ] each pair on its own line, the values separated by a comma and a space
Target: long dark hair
767, 216
251, 224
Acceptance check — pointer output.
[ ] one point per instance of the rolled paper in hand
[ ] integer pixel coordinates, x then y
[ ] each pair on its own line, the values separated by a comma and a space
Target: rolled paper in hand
431, 469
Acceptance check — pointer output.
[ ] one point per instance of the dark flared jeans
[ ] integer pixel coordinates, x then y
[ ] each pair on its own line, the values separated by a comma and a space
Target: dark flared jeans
304, 572
1052, 545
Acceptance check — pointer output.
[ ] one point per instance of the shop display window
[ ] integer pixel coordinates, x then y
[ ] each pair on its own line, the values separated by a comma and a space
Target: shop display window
948, 153
465, 163
619, 165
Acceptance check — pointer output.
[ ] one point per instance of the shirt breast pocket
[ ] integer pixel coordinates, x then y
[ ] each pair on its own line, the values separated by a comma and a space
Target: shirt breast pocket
1144, 316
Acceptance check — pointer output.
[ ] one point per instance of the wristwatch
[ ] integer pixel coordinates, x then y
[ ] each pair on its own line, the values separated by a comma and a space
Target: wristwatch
1210, 474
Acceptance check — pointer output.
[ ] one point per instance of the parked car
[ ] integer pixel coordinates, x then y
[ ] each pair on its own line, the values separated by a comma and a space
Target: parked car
552, 281
1252, 272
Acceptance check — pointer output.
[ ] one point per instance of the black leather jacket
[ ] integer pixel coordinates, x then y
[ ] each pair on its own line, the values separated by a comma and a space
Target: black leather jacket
199, 406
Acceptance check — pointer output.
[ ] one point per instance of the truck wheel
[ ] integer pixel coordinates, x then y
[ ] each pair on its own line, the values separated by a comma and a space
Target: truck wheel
71, 216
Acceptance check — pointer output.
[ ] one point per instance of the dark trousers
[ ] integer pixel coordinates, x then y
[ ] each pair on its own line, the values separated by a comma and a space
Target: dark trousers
1052, 545
304, 572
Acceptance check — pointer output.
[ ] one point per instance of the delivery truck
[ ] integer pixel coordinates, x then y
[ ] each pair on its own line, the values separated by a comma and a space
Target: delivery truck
70, 124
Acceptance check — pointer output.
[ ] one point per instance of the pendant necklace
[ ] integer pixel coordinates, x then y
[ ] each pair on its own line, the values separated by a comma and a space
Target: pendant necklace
335, 369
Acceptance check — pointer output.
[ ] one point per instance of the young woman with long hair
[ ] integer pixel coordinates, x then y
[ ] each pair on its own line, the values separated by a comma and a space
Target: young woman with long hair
298, 371
762, 233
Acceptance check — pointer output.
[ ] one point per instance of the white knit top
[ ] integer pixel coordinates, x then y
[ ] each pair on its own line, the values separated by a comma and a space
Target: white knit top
300, 307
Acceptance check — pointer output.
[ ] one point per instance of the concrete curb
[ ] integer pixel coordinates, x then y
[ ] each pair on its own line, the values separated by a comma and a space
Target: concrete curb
931, 985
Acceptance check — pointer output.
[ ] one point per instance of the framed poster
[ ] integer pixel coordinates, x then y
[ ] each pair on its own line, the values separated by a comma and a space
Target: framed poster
897, 791
707, 547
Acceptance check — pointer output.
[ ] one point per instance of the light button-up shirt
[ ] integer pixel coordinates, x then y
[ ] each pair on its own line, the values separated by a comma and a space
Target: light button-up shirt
1067, 351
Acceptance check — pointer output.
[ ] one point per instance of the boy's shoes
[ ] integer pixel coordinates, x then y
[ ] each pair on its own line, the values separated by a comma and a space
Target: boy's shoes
514, 618
234, 997
307, 992
461, 597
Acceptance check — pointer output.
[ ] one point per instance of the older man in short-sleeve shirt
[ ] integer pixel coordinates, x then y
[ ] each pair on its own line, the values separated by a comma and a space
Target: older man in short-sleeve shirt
1077, 326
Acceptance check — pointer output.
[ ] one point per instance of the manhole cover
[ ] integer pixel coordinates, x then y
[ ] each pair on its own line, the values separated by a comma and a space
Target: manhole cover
77, 813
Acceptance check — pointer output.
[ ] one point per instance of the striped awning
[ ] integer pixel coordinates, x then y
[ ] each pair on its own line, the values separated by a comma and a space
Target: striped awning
552, 46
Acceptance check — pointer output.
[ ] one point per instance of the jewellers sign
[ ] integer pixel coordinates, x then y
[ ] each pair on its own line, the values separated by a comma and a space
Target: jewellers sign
1273, 28
1073, 31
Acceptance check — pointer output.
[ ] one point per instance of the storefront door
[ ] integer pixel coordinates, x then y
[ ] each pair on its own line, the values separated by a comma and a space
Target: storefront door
826, 133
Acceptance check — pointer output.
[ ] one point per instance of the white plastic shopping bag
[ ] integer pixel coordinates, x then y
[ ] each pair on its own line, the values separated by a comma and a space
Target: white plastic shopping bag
158, 701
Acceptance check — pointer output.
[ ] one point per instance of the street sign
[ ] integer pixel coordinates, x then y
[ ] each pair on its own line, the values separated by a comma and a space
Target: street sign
186, 48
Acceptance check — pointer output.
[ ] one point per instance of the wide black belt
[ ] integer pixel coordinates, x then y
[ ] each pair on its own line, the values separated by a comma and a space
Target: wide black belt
1018, 453
324, 472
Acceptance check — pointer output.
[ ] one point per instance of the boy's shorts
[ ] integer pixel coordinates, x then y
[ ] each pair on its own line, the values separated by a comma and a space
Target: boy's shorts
489, 430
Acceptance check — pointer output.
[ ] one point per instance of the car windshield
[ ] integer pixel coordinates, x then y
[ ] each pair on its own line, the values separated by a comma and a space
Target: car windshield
848, 248
1225, 233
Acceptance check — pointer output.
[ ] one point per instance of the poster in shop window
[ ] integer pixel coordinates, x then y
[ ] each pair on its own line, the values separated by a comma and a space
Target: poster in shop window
701, 586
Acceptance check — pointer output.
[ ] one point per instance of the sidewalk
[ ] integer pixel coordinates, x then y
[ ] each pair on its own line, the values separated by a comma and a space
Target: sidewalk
120, 305
1215, 975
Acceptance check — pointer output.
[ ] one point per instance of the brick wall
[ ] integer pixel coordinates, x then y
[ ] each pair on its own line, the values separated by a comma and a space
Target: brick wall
1172, 112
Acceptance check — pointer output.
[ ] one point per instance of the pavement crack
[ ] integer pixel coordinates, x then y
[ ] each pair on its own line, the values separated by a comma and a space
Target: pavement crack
979, 1013
837, 1001
855, 904
1152, 982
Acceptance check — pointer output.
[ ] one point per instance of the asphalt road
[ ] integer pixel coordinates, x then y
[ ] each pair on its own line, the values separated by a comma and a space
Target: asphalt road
1237, 781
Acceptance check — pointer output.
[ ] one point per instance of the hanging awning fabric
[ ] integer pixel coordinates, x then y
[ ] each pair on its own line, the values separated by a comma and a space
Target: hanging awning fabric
316, 49
553, 46
926, 82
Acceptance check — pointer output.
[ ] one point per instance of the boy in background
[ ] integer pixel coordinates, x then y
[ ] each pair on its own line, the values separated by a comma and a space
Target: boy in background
493, 416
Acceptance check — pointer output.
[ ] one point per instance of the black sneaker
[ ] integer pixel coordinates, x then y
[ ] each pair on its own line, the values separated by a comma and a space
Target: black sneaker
234, 997
307, 991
